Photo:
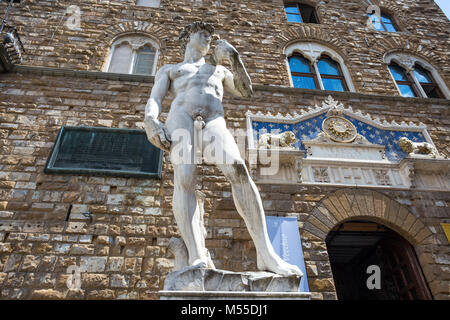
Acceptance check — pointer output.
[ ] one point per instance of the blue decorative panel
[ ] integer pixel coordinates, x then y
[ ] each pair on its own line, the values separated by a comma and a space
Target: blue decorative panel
304, 130
310, 128
387, 138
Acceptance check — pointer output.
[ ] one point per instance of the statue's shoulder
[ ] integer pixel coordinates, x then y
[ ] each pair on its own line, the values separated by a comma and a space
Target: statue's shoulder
165, 69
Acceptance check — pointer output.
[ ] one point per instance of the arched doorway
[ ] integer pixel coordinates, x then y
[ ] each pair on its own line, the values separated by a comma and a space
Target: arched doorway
359, 251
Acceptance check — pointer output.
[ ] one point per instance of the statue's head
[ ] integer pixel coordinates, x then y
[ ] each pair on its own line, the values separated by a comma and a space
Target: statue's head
197, 35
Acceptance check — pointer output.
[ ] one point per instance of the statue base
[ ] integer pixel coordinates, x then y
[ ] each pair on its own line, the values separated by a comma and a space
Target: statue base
232, 295
207, 284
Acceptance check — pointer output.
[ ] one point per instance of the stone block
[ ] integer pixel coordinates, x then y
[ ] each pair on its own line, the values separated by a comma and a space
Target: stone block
47, 294
118, 281
93, 264
30, 263
94, 280
115, 264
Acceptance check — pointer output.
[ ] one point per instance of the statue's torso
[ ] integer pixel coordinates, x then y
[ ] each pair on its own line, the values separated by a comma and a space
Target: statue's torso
198, 89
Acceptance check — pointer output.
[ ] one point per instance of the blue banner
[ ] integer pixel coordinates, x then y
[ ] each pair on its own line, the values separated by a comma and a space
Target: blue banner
285, 238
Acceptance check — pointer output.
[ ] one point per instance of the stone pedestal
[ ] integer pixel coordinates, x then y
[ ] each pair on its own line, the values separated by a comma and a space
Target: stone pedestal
193, 283
232, 295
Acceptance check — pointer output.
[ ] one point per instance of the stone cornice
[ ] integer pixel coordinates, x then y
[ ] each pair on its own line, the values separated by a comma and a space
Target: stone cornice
330, 104
82, 74
347, 94
279, 89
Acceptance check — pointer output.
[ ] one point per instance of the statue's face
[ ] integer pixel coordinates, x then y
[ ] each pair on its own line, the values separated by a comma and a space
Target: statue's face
200, 40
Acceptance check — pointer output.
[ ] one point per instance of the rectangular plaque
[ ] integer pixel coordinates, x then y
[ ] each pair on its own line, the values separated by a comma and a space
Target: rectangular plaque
104, 151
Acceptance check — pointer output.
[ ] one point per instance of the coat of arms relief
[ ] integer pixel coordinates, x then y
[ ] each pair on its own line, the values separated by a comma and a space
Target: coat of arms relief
332, 144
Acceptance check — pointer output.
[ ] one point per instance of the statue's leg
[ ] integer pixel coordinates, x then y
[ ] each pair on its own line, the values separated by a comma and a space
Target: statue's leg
245, 195
187, 213
185, 206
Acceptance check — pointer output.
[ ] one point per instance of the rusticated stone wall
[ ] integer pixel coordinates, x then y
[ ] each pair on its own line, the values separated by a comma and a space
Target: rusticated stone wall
123, 250
258, 29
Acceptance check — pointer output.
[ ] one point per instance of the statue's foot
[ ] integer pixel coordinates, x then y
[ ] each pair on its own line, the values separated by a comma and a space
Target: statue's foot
275, 264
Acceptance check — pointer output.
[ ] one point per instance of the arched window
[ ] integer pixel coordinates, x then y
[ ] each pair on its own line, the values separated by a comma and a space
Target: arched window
133, 54
303, 75
414, 77
404, 83
300, 13
145, 58
331, 75
427, 82
314, 66
383, 22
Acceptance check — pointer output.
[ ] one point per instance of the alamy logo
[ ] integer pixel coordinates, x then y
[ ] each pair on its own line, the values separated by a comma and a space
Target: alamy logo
374, 280
74, 279
374, 19
74, 20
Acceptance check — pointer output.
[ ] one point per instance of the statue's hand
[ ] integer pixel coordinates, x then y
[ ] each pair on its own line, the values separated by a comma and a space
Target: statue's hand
224, 51
157, 133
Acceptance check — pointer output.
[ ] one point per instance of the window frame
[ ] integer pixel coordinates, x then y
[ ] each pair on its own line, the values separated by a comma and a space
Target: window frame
298, 6
135, 42
433, 82
329, 76
312, 74
393, 22
410, 81
51, 169
135, 60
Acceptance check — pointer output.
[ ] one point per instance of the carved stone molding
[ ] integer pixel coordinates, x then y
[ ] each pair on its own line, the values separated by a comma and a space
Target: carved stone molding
321, 160
361, 174
136, 42
382, 177
330, 103
281, 166
427, 174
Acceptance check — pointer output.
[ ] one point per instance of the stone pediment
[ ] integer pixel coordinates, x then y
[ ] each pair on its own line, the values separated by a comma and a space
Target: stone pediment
307, 125
340, 146
323, 147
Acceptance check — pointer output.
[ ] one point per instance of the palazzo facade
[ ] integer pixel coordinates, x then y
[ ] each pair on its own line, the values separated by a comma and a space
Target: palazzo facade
82, 191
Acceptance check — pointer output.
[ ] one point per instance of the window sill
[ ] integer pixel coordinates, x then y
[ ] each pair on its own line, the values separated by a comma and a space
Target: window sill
345, 94
97, 172
302, 23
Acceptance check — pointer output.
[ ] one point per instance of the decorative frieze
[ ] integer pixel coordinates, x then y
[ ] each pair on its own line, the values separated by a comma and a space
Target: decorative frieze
352, 174
338, 146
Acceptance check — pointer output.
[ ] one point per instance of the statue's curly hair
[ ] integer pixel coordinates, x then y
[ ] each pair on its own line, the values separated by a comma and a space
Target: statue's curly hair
192, 28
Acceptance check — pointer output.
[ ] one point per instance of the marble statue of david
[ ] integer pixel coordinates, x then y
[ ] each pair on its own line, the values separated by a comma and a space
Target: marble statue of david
197, 88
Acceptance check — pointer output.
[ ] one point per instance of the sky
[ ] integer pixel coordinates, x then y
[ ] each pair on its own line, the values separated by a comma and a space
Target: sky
445, 6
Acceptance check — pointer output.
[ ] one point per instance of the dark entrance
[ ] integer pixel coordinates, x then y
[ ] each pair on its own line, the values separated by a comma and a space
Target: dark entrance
354, 246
